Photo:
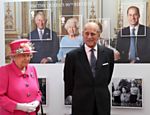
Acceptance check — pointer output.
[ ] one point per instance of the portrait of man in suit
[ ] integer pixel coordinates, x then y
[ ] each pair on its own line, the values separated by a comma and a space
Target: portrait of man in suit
45, 41
133, 41
87, 74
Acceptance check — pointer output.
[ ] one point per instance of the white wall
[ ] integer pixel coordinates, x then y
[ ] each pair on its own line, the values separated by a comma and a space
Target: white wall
55, 87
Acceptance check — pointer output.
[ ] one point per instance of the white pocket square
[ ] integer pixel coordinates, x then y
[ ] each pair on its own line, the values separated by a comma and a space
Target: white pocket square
105, 64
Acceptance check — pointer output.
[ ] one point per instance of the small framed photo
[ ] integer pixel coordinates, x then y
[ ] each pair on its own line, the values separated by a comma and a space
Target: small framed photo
124, 17
43, 87
75, 21
69, 35
127, 92
40, 30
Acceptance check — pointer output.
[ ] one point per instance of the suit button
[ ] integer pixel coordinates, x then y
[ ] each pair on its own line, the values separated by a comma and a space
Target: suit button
27, 85
24, 76
28, 95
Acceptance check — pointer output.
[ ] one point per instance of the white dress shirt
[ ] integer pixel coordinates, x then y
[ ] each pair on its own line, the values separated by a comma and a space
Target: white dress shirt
41, 32
136, 29
88, 51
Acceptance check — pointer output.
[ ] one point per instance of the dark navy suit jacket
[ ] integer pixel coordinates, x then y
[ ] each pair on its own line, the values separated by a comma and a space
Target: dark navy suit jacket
143, 44
47, 47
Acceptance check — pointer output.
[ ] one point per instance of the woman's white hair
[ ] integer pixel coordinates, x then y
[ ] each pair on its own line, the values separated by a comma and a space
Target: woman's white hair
71, 21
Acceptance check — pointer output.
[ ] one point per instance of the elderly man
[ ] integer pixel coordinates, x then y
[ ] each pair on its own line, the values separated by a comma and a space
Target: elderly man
87, 74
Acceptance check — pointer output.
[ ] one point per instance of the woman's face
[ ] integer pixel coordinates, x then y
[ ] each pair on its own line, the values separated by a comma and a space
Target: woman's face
22, 60
72, 30
123, 90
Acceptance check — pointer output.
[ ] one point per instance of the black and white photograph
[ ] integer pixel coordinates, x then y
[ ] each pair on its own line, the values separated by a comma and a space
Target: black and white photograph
42, 84
127, 92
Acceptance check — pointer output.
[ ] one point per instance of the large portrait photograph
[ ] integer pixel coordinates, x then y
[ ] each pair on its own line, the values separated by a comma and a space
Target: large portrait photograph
45, 23
133, 32
127, 93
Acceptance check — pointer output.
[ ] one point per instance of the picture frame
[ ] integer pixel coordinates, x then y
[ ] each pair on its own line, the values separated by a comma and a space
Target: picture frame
48, 17
44, 89
70, 34
127, 93
63, 19
124, 5
142, 8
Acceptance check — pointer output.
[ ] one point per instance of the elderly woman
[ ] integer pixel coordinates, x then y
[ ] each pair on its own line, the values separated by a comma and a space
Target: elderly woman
19, 89
70, 41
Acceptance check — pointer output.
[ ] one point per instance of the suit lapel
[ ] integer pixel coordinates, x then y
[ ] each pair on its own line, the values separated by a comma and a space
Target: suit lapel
45, 33
37, 33
84, 60
142, 30
101, 56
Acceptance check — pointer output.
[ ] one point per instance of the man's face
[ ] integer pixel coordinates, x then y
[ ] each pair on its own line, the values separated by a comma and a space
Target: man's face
40, 22
133, 17
91, 35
